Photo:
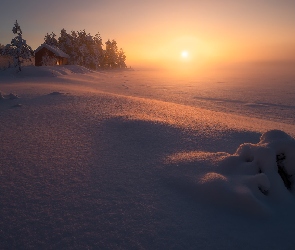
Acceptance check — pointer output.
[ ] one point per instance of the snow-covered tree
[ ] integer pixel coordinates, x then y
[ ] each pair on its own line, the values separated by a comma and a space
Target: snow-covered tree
90, 49
114, 57
98, 52
111, 54
83, 48
1, 48
121, 58
65, 43
87, 50
50, 39
18, 48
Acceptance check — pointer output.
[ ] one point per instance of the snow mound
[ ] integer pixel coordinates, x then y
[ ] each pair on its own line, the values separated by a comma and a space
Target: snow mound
56, 93
18, 105
256, 105
10, 96
46, 71
258, 178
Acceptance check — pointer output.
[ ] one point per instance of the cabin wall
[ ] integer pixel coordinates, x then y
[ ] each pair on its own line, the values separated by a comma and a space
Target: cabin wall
43, 52
39, 55
62, 61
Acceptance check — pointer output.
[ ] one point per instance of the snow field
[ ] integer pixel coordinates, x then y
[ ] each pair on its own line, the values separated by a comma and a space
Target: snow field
88, 163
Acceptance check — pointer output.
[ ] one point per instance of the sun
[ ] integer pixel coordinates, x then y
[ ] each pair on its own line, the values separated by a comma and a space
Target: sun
184, 54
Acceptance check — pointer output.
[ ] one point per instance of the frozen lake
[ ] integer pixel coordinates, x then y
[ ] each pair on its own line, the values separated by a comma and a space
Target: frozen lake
270, 98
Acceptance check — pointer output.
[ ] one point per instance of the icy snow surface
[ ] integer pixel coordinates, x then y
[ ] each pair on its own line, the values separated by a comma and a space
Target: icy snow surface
136, 160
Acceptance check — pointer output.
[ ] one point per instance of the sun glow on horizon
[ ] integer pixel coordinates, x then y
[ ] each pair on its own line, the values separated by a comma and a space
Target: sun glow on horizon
184, 54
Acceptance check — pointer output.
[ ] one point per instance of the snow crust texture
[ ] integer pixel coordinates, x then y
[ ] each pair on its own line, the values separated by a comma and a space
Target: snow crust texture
258, 178
122, 160
45, 71
10, 96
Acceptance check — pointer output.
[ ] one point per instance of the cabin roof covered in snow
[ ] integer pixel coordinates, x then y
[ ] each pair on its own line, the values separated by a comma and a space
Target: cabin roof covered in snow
53, 49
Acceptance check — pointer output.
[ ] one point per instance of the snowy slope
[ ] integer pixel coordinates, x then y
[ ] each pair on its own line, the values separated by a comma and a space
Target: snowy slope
120, 160
43, 71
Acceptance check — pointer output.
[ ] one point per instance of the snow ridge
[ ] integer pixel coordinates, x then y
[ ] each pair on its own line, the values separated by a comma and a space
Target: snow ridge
257, 178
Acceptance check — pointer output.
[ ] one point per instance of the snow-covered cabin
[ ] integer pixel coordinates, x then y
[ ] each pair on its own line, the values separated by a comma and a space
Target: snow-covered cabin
50, 55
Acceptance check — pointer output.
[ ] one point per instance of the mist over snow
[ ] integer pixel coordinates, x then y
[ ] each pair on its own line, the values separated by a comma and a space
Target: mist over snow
125, 159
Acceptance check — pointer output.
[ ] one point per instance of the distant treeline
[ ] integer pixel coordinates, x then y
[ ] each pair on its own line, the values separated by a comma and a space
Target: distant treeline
81, 47
87, 50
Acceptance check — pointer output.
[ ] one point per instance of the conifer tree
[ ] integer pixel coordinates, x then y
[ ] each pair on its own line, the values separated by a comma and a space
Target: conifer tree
98, 51
18, 48
50, 39
121, 59
111, 54
1, 48
65, 43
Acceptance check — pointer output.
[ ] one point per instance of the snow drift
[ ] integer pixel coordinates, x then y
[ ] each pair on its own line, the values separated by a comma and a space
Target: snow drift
46, 71
257, 178
82, 163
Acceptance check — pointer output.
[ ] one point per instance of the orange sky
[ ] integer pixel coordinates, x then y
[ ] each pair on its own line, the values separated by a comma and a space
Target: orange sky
216, 34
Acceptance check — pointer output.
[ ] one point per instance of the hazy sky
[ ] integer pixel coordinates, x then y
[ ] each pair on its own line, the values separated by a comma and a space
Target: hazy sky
155, 32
